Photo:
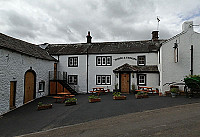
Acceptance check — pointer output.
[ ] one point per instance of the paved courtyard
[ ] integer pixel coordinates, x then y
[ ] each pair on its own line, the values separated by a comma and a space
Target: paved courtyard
27, 119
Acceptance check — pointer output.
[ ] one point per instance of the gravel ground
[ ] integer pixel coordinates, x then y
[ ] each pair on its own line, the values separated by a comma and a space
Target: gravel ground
27, 119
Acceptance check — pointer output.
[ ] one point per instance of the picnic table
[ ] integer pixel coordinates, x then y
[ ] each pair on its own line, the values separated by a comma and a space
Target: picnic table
145, 89
98, 90
62, 96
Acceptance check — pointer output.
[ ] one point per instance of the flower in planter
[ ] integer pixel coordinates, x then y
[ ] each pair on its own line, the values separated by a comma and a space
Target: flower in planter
94, 98
42, 106
174, 92
138, 95
71, 101
40, 103
145, 95
118, 96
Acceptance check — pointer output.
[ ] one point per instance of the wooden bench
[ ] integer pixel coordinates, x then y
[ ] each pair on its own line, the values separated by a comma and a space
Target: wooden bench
69, 96
59, 98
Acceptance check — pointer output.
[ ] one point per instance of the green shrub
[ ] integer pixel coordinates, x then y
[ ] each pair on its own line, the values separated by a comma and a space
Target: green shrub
71, 100
117, 94
174, 90
93, 97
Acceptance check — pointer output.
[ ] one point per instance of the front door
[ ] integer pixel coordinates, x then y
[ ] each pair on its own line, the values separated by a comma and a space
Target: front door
12, 94
29, 86
125, 85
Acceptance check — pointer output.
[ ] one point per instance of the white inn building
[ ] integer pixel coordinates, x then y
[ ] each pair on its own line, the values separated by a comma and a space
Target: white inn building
29, 71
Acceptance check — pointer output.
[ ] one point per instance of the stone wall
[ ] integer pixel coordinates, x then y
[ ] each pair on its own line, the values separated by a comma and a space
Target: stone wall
13, 66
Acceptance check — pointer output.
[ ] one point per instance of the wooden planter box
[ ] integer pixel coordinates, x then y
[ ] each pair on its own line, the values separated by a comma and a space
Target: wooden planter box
138, 96
119, 97
70, 103
95, 100
145, 96
44, 106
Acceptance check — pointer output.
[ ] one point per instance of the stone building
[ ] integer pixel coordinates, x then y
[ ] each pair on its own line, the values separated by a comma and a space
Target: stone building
24, 70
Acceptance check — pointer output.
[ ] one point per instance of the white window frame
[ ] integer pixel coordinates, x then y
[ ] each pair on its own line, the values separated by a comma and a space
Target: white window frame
141, 59
41, 86
142, 79
73, 79
98, 61
103, 79
103, 60
72, 61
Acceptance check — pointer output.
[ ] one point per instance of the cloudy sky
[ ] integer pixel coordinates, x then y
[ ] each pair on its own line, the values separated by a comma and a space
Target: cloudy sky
67, 21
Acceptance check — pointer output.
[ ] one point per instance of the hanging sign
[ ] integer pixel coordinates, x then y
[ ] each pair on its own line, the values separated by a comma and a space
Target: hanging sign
119, 58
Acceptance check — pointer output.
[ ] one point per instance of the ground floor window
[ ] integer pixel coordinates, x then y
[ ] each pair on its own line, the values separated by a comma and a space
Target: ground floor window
41, 86
103, 79
141, 79
73, 79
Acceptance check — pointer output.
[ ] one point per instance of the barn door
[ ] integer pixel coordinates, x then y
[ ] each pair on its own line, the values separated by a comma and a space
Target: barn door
29, 93
125, 84
12, 94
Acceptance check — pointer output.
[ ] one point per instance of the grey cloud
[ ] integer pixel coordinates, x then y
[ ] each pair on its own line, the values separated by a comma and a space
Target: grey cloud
108, 20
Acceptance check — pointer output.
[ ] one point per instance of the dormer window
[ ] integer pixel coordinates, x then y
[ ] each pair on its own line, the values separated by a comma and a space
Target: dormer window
141, 60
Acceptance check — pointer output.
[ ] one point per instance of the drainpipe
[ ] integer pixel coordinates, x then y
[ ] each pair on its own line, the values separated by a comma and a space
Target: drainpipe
191, 60
87, 70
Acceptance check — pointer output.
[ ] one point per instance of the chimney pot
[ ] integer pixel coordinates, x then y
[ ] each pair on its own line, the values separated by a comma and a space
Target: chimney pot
155, 35
89, 38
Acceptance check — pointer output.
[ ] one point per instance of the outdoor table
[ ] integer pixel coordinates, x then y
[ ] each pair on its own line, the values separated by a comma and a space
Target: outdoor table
146, 89
98, 90
63, 96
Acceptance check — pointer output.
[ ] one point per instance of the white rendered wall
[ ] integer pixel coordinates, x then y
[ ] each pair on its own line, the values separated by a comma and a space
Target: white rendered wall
81, 70
176, 72
93, 70
12, 68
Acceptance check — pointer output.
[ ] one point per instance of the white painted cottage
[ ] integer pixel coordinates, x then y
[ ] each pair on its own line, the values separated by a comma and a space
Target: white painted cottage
24, 72
112, 65
179, 56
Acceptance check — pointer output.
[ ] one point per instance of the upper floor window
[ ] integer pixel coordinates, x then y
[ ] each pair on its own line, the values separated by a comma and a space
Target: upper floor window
141, 79
73, 79
175, 55
141, 60
104, 61
73, 62
103, 80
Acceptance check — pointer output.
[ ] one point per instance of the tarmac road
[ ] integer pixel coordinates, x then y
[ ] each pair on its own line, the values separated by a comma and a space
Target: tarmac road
176, 121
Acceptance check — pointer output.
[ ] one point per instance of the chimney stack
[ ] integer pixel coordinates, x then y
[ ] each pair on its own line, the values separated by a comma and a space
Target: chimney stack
155, 35
89, 38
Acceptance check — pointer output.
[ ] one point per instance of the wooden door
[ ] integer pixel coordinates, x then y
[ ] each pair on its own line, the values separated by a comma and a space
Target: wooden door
125, 86
29, 87
12, 94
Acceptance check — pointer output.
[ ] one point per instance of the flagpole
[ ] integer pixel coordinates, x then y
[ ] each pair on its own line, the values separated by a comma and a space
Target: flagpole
158, 22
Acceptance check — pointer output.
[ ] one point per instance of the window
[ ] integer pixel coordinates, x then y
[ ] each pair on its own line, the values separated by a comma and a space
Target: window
103, 80
72, 79
104, 61
141, 79
141, 60
41, 86
175, 55
73, 62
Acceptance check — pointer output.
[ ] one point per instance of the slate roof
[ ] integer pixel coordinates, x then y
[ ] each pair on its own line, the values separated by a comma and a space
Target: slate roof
145, 46
133, 68
23, 47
